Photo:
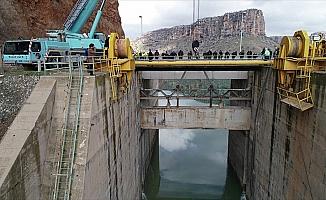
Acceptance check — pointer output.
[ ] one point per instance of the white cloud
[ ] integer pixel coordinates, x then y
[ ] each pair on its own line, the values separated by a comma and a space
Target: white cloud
282, 17
176, 140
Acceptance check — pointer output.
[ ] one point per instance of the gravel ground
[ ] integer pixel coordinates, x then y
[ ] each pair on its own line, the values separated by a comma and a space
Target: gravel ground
16, 86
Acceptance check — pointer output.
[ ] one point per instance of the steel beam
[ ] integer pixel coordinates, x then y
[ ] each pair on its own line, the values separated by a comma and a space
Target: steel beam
194, 75
230, 118
202, 65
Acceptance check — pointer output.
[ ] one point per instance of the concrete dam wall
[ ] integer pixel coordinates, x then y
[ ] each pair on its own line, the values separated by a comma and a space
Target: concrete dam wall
283, 156
112, 151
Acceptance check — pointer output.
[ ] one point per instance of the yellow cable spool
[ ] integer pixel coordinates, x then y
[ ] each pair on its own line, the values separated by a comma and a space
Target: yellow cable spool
296, 46
122, 46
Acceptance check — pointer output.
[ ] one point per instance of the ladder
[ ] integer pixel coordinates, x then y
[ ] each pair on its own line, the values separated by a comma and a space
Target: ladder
305, 77
302, 99
70, 128
75, 12
114, 73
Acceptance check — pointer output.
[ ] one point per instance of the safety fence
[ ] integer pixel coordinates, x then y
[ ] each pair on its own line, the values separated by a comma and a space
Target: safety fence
56, 64
175, 58
211, 96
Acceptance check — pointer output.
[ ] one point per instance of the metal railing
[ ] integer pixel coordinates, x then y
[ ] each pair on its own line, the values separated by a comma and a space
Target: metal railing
174, 58
301, 98
55, 64
298, 98
210, 96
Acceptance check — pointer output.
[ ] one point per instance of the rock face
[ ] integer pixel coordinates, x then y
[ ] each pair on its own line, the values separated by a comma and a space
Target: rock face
31, 18
215, 33
277, 39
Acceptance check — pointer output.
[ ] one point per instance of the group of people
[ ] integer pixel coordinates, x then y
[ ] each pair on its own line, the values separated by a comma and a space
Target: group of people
227, 55
156, 55
266, 53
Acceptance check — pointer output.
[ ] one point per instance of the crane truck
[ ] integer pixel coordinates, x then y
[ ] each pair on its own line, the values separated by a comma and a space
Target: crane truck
59, 42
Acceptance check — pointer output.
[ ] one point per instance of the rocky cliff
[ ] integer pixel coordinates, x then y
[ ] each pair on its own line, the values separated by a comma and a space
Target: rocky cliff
215, 33
31, 18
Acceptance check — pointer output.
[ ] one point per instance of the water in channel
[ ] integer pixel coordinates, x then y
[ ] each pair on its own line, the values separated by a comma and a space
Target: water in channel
191, 165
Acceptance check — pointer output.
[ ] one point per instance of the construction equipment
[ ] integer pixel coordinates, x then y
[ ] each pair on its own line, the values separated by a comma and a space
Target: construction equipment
299, 56
29, 52
119, 63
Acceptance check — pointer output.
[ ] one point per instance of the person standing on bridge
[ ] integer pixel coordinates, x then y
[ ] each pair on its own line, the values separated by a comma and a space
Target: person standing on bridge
220, 55
150, 55
249, 54
205, 55
157, 55
227, 55
209, 54
241, 54
215, 55
173, 55
145, 55
270, 53
195, 48
265, 53
276, 52
163, 56
180, 54
234, 54
189, 55
255, 56
90, 58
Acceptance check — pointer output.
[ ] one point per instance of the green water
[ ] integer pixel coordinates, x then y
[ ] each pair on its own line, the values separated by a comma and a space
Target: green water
191, 164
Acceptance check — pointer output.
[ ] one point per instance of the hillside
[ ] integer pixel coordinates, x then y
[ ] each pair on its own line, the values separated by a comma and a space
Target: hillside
214, 33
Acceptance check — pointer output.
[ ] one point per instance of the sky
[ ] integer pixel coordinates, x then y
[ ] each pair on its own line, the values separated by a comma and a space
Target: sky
282, 17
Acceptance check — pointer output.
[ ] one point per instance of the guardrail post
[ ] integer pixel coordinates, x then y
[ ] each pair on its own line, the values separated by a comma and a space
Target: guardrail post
70, 65
57, 64
2, 71
39, 66
210, 96
45, 68
93, 66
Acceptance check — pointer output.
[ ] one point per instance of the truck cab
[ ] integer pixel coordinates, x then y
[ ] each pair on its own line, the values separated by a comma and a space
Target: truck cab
22, 51
30, 52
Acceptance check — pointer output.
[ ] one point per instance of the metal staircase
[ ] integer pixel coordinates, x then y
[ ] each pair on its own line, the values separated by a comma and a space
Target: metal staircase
75, 12
68, 137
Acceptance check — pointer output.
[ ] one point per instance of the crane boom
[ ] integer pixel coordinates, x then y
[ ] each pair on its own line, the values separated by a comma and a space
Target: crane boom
97, 20
79, 15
